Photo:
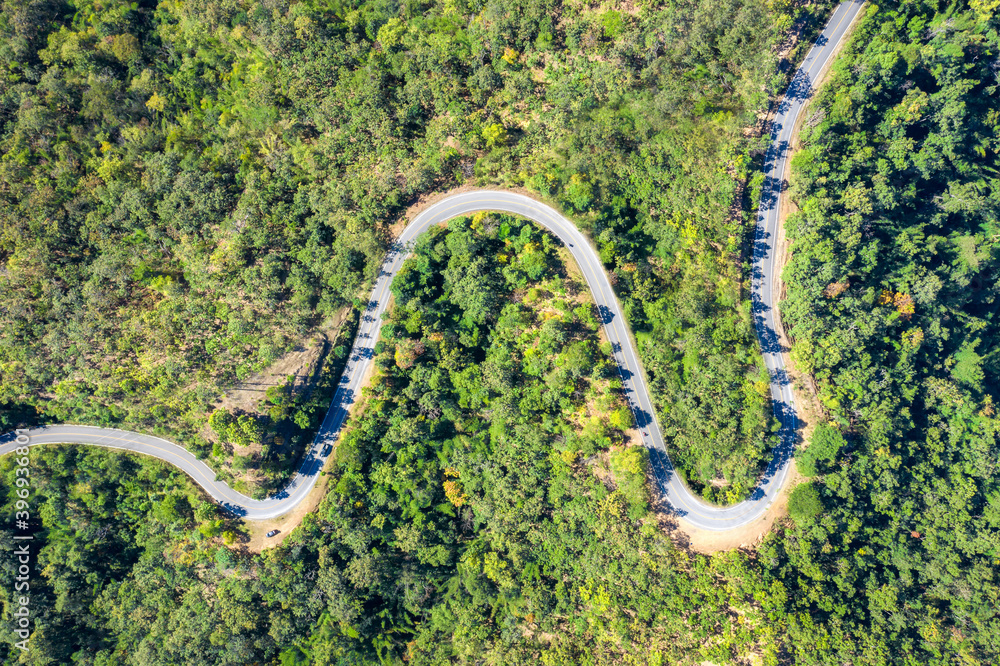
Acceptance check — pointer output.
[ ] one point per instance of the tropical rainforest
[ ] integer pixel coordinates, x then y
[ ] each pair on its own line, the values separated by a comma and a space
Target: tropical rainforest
189, 188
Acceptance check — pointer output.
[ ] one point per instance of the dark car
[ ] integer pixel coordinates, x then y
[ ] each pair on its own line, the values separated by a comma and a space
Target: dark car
272, 533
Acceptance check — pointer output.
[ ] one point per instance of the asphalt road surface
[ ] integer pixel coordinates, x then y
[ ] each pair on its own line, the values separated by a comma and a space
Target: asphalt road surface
681, 500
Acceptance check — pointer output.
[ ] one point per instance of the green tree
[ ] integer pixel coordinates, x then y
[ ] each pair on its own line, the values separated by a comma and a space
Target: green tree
804, 504
824, 445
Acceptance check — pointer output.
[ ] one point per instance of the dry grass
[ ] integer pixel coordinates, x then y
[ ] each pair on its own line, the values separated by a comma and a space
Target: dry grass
303, 362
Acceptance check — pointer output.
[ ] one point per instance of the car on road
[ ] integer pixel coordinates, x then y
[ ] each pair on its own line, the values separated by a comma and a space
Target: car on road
272, 533
326, 450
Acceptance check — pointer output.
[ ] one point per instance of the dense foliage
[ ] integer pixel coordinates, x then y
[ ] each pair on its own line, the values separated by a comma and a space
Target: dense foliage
106, 519
892, 300
482, 509
189, 188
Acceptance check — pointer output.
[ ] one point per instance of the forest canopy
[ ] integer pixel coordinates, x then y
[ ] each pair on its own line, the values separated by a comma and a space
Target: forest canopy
188, 188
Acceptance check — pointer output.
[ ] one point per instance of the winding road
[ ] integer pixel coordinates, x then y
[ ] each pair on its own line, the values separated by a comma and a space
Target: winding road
679, 497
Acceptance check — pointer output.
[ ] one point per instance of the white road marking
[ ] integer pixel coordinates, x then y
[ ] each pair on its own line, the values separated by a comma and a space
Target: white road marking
690, 507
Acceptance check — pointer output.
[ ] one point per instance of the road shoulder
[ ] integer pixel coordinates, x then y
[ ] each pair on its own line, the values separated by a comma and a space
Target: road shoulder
809, 409
804, 388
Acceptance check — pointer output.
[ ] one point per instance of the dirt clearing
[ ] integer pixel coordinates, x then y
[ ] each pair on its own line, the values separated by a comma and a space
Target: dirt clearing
301, 362
258, 529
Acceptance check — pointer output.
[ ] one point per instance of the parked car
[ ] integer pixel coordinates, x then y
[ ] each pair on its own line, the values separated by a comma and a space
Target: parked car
272, 533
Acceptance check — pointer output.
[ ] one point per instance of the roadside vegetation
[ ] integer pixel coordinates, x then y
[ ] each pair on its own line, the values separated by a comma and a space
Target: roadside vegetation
189, 188
892, 306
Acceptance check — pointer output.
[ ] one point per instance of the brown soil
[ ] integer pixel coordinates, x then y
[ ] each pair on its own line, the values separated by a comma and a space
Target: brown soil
258, 529
422, 202
303, 362
746, 537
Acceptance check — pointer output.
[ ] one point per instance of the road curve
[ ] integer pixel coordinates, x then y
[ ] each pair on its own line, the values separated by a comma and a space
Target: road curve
763, 299
682, 501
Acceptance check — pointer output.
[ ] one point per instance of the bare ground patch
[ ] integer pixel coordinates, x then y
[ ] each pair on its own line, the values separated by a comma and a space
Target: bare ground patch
258, 529
304, 362
301, 362
747, 537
